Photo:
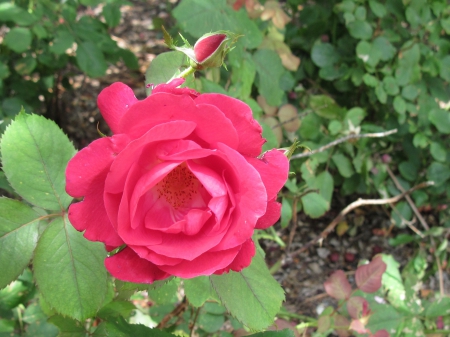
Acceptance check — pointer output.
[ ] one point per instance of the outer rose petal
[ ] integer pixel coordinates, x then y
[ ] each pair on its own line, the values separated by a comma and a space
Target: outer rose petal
172, 88
243, 259
240, 114
274, 169
164, 108
128, 266
113, 102
272, 215
90, 163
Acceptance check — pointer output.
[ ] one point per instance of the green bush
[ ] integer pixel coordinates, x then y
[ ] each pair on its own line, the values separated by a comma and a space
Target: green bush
41, 38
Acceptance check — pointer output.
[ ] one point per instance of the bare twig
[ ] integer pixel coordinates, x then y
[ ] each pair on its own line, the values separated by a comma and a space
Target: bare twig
344, 139
178, 311
424, 225
354, 205
408, 199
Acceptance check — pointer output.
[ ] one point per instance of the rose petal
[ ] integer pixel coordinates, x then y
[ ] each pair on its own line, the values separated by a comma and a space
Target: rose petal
240, 114
274, 169
90, 215
113, 102
91, 162
205, 264
271, 216
243, 258
163, 108
128, 266
172, 88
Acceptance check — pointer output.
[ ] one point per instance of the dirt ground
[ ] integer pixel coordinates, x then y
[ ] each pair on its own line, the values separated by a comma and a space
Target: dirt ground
301, 275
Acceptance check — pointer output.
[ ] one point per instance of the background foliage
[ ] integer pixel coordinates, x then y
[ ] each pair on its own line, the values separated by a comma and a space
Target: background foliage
315, 71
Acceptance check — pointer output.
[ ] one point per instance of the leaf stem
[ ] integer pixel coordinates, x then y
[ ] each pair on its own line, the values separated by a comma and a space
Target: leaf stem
187, 72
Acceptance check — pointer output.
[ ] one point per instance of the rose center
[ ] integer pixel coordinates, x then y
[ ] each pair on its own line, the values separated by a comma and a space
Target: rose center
178, 187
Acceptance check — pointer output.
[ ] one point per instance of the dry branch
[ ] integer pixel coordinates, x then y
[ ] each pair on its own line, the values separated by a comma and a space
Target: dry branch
344, 139
354, 205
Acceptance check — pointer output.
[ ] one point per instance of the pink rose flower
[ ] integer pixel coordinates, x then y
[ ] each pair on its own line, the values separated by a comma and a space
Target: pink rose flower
180, 183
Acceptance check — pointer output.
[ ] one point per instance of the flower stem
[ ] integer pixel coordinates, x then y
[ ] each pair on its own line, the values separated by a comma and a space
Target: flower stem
187, 72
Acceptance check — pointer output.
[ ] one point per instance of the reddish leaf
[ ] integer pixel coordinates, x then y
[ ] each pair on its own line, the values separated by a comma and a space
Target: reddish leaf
358, 307
381, 333
337, 286
358, 326
324, 323
368, 277
341, 325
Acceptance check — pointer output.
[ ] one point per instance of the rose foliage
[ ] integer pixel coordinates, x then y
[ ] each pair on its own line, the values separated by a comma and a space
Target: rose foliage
182, 183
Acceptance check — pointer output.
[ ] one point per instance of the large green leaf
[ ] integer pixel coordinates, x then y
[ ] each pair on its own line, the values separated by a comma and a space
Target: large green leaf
18, 39
90, 59
164, 67
69, 270
198, 290
68, 327
252, 295
35, 153
324, 54
198, 17
280, 333
438, 172
19, 233
120, 328
441, 120
314, 204
269, 68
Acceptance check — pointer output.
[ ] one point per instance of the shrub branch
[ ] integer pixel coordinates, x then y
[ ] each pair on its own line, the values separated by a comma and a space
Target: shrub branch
344, 139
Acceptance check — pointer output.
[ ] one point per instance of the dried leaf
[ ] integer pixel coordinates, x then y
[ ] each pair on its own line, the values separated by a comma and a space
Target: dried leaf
381, 333
342, 228
268, 109
337, 286
368, 277
358, 326
288, 116
272, 122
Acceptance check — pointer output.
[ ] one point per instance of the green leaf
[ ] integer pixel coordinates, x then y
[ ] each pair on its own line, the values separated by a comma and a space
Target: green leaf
438, 152
386, 50
116, 308
26, 65
360, 13
18, 39
198, 17
35, 153
111, 13
198, 290
4, 71
399, 105
390, 85
439, 308
343, 165
325, 184
90, 59
355, 115
252, 295
377, 8
310, 127
360, 30
381, 94
314, 205
445, 68
167, 293
438, 172
118, 327
410, 92
368, 53
441, 120
68, 327
63, 41
324, 54
129, 59
325, 107
392, 281
384, 316
279, 333
370, 80
69, 270
164, 67
19, 232
269, 68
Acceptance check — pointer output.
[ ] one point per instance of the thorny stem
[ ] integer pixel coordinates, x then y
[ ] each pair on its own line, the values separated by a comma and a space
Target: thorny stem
354, 205
344, 139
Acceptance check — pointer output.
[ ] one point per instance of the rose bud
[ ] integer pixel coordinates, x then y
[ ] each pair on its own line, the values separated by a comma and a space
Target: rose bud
210, 50
179, 188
